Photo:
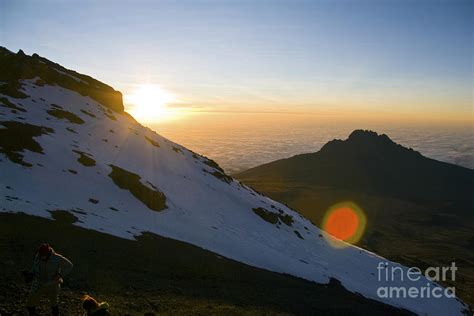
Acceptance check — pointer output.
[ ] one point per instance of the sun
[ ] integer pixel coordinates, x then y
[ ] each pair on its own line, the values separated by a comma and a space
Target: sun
150, 103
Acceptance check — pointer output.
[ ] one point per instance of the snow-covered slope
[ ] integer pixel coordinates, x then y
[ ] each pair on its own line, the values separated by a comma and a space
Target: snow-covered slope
61, 149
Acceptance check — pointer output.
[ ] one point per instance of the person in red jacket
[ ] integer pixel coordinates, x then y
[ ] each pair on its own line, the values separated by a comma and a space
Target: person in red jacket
48, 271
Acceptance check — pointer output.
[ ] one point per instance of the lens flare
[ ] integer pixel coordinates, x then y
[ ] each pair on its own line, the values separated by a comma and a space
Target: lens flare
344, 221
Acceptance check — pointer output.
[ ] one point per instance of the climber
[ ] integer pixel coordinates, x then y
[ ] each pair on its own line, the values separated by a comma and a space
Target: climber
49, 269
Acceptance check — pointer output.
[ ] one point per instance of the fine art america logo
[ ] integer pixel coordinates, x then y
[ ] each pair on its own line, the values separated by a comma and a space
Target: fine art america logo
395, 274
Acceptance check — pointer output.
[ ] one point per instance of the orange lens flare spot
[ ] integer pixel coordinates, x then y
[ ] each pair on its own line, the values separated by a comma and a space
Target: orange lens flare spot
345, 221
342, 223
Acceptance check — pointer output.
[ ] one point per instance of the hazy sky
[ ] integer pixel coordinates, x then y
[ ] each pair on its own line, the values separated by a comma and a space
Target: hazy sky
400, 57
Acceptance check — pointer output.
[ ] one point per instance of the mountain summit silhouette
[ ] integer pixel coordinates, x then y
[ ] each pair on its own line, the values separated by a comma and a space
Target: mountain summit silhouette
369, 162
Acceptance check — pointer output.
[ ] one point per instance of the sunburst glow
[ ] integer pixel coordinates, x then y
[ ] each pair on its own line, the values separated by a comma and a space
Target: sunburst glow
150, 103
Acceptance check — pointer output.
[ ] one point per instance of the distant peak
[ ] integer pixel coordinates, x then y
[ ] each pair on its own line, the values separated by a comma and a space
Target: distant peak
367, 143
367, 135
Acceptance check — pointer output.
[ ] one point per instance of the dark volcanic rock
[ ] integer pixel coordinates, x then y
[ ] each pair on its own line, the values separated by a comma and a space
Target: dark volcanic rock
19, 66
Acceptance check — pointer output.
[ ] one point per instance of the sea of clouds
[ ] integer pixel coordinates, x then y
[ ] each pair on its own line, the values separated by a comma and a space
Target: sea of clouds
238, 146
